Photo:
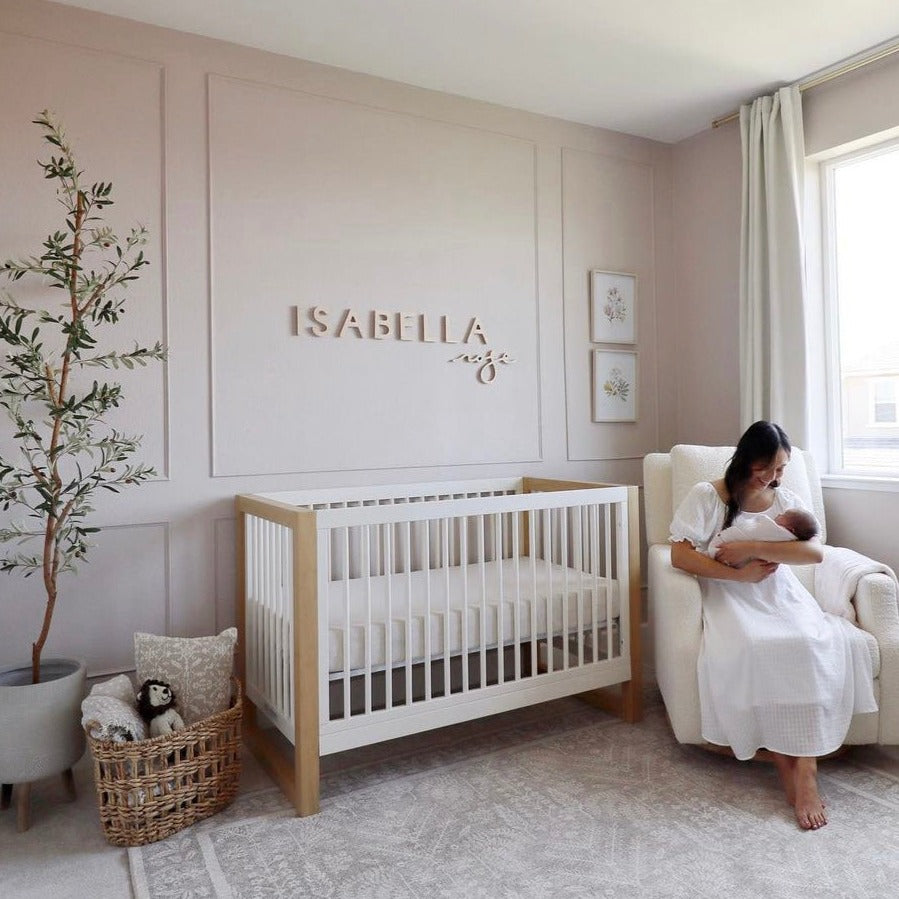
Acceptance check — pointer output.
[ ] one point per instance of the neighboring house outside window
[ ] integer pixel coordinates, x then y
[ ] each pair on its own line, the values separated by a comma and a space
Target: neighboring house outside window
882, 406
861, 251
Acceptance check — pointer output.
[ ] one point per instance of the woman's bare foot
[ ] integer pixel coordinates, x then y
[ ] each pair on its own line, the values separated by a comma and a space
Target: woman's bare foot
809, 807
786, 769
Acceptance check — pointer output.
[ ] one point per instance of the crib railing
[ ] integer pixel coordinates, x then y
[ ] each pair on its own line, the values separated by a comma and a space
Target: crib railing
367, 618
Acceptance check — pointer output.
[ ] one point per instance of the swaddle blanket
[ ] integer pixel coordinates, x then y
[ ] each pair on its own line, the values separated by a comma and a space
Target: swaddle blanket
111, 706
837, 577
757, 527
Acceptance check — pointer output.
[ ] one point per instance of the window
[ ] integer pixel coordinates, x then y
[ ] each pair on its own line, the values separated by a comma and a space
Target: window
861, 226
883, 402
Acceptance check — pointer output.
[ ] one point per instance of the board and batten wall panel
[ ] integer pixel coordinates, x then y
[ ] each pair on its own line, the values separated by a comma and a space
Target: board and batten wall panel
112, 108
271, 184
100, 608
329, 204
114, 119
608, 224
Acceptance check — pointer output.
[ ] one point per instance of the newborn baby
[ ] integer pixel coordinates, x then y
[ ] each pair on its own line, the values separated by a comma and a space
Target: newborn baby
793, 524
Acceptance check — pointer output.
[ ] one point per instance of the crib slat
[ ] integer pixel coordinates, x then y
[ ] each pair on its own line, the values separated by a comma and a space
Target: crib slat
607, 581
463, 549
367, 635
563, 544
547, 560
408, 548
578, 552
279, 618
594, 550
347, 624
388, 620
446, 611
532, 544
482, 617
500, 630
427, 622
516, 608
275, 616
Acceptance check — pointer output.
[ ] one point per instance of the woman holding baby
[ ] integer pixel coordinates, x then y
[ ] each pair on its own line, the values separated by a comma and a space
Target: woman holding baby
775, 672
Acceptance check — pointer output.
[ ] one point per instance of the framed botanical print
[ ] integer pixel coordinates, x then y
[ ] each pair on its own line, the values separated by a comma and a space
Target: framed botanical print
614, 385
613, 307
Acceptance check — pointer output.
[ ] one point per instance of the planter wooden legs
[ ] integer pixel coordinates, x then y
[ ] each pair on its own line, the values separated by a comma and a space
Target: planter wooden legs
23, 807
68, 782
23, 798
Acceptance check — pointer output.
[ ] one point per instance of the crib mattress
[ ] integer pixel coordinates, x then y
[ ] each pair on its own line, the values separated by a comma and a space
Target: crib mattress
470, 607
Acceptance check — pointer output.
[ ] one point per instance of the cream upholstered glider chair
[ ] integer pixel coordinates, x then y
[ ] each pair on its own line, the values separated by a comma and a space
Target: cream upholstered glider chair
675, 606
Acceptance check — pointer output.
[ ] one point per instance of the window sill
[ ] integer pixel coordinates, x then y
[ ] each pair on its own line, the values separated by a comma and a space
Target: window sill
876, 484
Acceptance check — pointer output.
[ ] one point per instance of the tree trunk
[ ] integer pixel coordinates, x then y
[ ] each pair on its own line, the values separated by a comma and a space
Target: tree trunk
38, 647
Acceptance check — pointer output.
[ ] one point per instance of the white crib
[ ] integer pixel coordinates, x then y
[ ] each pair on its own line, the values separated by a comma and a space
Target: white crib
371, 613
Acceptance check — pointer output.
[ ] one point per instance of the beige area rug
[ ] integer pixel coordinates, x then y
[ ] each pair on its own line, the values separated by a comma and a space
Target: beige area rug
561, 801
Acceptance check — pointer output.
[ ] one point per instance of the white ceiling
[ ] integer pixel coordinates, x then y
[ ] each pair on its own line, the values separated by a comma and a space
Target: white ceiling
656, 68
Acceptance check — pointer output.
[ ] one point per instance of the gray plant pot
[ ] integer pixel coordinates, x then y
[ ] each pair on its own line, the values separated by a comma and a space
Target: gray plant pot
40, 724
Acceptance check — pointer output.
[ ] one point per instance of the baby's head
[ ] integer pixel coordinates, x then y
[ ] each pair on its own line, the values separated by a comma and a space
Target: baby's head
801, 524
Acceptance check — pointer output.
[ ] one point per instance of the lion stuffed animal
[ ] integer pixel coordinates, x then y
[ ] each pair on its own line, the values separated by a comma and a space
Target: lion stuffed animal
156, 704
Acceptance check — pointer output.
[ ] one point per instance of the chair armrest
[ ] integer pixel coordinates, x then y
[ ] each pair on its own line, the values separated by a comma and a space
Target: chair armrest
877, 608
675, 610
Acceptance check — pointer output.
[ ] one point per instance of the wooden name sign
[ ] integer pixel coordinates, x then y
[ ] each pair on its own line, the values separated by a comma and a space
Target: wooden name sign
404, 326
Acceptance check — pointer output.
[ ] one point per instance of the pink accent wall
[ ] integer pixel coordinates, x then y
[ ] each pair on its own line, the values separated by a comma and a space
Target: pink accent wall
705, 324
271, 183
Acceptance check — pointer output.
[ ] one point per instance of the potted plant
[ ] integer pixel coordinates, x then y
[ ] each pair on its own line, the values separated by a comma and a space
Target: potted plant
59, 450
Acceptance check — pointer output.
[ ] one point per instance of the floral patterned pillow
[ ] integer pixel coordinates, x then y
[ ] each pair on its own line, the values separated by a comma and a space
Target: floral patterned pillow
198, 669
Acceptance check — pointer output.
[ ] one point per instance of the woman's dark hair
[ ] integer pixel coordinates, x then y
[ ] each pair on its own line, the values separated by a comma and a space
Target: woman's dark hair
759, 443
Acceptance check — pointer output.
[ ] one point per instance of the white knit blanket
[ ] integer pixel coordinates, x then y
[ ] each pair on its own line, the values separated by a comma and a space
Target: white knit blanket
837, 577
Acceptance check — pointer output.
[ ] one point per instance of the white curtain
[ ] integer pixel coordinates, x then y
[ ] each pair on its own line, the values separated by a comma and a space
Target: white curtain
773, 353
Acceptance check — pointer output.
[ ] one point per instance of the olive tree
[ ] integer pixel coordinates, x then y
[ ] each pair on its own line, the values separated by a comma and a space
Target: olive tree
60, 450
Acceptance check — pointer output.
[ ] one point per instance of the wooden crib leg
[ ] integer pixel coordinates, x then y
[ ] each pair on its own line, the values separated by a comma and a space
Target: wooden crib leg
632, 701
622, 700
306, 786
306, 742
305, 708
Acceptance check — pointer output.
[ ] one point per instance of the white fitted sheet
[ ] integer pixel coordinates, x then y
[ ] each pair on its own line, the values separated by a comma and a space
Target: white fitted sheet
479, 588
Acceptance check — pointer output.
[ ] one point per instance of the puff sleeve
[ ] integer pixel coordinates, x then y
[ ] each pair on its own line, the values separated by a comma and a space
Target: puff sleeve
698, 518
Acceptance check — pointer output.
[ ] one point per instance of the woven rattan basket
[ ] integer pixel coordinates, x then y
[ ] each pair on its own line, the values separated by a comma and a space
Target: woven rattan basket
153, 788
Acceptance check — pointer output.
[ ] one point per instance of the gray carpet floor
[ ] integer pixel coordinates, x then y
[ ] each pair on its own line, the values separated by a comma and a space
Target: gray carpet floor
559, 801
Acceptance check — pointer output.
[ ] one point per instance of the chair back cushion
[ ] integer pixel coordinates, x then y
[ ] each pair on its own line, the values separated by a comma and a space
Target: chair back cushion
668, 477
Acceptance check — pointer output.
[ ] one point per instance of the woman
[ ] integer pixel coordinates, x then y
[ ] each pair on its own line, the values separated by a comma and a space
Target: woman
775, 672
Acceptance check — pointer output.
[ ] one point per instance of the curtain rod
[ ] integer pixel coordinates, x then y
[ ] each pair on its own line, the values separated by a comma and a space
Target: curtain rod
815, 80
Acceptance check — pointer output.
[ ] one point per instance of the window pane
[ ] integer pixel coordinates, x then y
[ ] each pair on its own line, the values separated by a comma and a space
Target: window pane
884, 412
884, 391
866, 243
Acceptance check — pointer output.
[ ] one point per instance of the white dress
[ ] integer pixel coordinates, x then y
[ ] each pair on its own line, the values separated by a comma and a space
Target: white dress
775, 671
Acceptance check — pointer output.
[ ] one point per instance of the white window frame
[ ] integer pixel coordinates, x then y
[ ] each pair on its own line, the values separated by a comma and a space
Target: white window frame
832, 362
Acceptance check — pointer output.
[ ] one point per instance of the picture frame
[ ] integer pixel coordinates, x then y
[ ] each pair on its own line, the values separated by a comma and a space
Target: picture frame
613, 307
614, 385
